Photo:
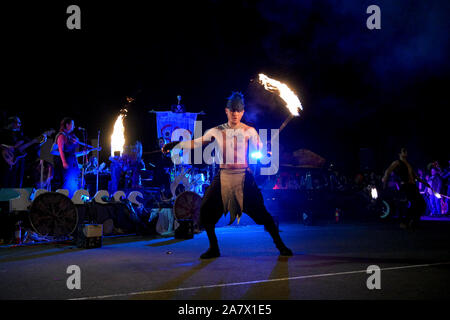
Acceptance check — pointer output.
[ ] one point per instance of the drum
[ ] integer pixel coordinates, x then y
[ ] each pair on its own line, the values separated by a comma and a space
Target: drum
187, 206
53, 214
198, 178
197, 182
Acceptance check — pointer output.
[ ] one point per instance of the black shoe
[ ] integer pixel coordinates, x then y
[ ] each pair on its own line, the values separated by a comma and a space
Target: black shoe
211, 253
285, 251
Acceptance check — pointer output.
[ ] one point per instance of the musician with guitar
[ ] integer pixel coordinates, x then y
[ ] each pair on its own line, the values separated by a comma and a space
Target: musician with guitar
65, 157
13, 147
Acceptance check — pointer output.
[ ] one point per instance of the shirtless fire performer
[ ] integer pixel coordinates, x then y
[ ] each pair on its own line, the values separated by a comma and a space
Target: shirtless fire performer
234, 188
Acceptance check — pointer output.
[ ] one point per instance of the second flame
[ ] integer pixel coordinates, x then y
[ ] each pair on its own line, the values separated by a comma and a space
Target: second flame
285, 93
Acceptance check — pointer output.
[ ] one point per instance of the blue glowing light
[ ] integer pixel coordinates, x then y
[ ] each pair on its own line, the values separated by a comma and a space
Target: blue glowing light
256, 155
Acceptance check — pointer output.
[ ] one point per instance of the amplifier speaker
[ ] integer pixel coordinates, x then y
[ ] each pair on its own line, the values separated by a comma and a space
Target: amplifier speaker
89, 236
185, 230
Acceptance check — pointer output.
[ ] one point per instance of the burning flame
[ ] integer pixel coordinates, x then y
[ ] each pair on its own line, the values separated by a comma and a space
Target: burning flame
118, 136
285, 93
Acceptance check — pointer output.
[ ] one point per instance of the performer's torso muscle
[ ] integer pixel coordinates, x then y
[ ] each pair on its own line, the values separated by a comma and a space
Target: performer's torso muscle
233, 145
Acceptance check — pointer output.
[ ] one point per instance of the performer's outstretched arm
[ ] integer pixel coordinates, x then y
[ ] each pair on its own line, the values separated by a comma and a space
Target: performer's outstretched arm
388, 172
189, 144
192, 144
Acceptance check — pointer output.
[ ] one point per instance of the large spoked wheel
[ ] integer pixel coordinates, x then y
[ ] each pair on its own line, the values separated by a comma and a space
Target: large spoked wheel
380, 208
385, 209
187, 206
53, 214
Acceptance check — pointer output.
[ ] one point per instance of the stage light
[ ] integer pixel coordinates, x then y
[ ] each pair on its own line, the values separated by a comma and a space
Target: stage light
374, 193
118, 136
256, 155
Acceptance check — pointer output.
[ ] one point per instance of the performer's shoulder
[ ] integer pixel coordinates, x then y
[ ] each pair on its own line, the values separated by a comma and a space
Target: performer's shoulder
249, 129
396, 163
214, 130
60, 136
220, 127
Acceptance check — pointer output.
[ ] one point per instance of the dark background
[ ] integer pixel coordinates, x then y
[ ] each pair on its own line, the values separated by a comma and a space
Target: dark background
360, 88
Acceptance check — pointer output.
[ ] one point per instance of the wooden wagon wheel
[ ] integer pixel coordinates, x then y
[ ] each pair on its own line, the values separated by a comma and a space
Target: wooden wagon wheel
53, 214
187, 206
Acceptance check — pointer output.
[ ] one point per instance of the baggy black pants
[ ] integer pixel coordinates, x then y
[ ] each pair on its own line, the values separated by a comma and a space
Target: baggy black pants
212, 209
417, 205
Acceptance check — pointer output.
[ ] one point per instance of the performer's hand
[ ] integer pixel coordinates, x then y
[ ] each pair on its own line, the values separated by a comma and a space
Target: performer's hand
7, 147
169, 146
66, 165
383, 182
74, 140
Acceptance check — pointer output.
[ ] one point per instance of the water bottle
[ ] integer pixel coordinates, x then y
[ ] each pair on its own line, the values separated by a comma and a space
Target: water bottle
308, 181
18, 233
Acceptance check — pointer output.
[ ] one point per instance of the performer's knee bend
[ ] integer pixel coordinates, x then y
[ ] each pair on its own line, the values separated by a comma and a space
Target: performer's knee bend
209, 218
260, 215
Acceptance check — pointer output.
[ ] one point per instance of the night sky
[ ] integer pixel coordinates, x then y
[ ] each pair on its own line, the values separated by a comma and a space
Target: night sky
360, 88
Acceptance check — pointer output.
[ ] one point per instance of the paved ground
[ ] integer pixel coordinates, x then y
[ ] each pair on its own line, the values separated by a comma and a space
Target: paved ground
330, 262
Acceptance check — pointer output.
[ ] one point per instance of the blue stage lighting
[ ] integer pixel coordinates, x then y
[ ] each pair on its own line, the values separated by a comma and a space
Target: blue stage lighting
256, 155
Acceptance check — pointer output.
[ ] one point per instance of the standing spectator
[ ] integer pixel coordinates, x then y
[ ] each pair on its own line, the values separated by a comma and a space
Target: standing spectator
423, 188
429, 194
446, 180
420, 184
436, 185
